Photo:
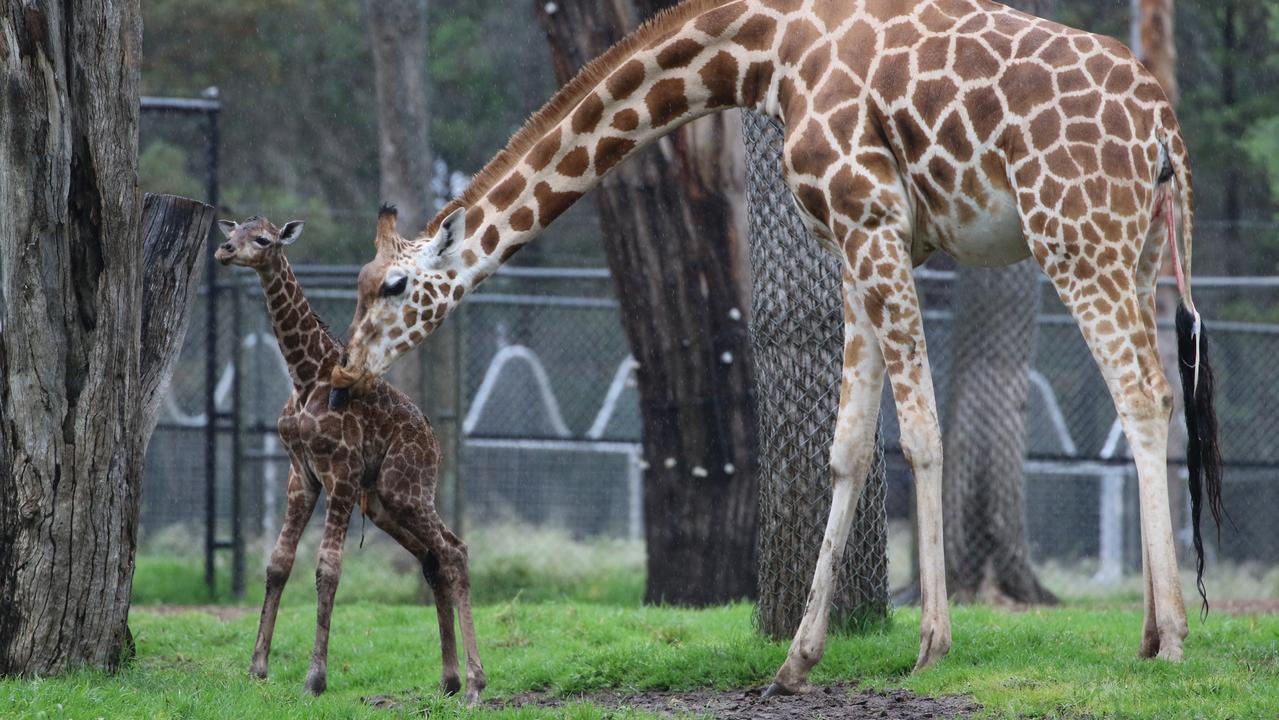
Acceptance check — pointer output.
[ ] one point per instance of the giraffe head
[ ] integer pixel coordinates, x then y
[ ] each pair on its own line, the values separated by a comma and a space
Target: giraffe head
254, 242
402, 295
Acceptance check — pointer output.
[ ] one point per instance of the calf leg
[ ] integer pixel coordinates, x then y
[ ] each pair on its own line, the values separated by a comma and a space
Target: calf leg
327, 573
450, 682
460, 581
301, 503
418, 516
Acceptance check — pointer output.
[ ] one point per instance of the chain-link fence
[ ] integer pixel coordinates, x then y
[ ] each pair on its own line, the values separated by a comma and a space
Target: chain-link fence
798, 342
1080, 504
551, 422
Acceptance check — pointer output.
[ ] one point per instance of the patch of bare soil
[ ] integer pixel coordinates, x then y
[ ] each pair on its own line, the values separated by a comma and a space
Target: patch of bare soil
836, 701
220, 612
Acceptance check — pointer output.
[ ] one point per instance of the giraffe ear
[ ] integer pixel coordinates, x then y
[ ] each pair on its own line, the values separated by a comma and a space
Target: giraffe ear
450, 235
227, 227
291, 232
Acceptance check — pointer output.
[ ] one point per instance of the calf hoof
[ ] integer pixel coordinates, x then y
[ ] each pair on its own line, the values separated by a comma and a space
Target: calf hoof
316, 683
257, 672
775, 690
473, 696
450, 685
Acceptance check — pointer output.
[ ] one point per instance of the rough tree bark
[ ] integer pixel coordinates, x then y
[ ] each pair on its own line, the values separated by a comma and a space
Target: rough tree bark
674, 232
76, 385
994, 335
398, 36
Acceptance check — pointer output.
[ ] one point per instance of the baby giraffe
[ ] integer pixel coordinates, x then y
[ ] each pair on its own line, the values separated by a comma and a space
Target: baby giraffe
378, 452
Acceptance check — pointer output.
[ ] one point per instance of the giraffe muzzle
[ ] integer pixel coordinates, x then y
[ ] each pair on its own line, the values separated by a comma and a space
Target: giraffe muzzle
225, 253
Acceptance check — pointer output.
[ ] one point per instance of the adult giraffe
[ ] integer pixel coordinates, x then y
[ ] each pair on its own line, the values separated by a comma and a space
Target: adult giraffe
912, 126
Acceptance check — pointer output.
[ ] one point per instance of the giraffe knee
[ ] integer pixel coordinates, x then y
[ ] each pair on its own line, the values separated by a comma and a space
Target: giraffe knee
850, 453
277, 574
922, 448
327, 572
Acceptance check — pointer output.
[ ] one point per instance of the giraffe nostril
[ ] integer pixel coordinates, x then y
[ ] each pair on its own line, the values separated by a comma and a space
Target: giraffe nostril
344, 360
228, 247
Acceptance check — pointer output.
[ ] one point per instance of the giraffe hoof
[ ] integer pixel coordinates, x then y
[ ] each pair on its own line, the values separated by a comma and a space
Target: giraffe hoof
338, 398
316, 684
257, 673
450, 686
776, 690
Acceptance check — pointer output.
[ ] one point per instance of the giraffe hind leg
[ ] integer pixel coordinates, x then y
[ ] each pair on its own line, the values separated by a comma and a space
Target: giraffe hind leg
450, 681
1110, 303
420, 518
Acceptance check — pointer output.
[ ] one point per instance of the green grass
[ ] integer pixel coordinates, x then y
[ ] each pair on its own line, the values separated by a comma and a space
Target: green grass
1071, 663
507, 562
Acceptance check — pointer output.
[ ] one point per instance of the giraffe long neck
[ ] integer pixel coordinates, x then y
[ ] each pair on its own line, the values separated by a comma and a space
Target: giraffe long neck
705, 56
309, 350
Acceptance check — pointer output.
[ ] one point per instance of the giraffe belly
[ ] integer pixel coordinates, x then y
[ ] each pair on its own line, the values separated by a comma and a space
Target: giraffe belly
993, 239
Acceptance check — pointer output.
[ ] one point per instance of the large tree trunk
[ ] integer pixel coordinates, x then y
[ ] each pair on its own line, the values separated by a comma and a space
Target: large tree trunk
75, 385
673, 219
992, 341
398, 35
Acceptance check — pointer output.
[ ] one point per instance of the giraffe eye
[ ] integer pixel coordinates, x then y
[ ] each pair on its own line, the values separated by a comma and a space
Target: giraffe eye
395, 287
262, 241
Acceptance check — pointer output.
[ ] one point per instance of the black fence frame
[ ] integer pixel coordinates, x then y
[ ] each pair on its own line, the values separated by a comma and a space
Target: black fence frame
209, 108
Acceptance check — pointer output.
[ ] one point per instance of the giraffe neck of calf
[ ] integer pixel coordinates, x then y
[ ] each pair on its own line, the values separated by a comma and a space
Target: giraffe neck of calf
308, 348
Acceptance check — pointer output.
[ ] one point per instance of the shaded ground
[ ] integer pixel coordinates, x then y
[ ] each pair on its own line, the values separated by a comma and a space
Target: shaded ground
836, 701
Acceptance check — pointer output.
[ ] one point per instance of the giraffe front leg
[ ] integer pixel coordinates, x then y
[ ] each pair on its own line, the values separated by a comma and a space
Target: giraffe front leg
327, 573
860, 387
301, 503
888, 292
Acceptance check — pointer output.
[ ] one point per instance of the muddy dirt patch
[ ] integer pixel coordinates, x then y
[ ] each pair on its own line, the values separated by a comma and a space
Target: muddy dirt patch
836, 701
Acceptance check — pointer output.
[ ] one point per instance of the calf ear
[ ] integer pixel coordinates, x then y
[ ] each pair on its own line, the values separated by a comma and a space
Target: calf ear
291, 232
227, 227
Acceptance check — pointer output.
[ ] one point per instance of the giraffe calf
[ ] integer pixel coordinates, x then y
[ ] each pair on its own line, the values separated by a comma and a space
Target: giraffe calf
378, 452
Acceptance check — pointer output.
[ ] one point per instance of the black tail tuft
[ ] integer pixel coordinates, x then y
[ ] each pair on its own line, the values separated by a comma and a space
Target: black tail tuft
1203, 450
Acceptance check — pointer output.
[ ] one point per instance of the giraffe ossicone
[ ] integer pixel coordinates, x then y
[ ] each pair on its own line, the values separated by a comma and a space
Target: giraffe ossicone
912, 126
378, 452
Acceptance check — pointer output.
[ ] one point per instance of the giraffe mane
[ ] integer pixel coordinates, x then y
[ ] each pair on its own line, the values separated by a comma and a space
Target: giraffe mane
553, 112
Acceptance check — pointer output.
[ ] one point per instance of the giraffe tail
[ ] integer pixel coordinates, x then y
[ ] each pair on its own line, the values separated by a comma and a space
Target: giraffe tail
1203, 447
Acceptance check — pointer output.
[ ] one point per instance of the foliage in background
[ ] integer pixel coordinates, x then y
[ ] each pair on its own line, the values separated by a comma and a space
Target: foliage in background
299, 125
